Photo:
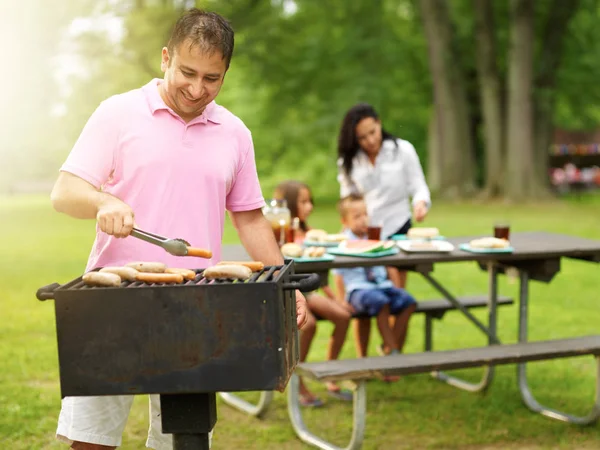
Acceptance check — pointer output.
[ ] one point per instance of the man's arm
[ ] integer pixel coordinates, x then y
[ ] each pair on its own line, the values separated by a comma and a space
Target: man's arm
258, 239
77, 198
257, 236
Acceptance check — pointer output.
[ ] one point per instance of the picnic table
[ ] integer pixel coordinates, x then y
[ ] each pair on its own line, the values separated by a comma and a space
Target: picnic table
536, 256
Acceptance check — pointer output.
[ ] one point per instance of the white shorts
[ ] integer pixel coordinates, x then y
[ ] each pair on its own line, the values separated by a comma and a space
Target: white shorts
101, 420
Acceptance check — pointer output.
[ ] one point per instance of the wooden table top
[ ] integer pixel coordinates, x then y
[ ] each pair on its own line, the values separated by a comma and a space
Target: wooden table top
528, 246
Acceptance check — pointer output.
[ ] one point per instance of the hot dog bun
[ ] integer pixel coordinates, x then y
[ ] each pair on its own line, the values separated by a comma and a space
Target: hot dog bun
186, 273
126, 273
489, 242
149, 267
147, 277
235, 271
254, 266
291, 250
423, 233
105, 279
313, 252
316, 235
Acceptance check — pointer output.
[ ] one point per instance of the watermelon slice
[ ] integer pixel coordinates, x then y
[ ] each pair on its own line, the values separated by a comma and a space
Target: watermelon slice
364, 246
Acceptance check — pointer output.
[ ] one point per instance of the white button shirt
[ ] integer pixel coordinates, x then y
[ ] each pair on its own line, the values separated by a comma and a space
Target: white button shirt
387, 185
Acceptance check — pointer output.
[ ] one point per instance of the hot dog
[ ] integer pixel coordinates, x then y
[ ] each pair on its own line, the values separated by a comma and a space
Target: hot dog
238, 272
101, 279
126, 273
147, 277
150, 267
186, 273
199, 252
254, 266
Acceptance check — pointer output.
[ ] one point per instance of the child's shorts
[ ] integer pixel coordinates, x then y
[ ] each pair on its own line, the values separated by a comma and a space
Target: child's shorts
371, 301
101, 420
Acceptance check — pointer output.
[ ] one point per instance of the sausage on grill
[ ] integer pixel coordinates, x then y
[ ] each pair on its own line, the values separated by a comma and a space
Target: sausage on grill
234, 271
101, 279
126, 273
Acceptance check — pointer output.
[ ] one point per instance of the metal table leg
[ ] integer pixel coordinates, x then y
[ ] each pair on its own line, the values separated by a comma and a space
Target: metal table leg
490, 331
266, 397
359, 417
189, 418
526, 394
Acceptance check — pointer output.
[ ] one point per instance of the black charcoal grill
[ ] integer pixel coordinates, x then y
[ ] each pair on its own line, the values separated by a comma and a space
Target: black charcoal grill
185, 342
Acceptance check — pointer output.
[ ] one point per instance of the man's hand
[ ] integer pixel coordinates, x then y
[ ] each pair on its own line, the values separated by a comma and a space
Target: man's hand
420, 211
115, 217
301, 315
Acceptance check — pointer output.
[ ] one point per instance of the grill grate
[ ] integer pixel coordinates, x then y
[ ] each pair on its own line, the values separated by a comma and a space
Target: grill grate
268, 274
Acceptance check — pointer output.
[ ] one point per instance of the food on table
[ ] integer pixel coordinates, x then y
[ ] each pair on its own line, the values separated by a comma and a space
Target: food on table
150, 267
255, 266
489, 242
364, 246
186, 273
148, 277
316, 235
126, 273
105, 279
332, 238
235, 271
425, 245
422, 233
292, 250
314, 252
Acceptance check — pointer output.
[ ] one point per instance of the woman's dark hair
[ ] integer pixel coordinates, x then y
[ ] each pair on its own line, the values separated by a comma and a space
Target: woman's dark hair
289, 191
348, 145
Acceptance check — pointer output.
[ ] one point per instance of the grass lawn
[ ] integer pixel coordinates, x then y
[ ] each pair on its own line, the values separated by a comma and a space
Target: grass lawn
39, 247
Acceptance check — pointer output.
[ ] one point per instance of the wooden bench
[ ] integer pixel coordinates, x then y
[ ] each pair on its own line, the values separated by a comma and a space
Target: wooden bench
437, 308
360, 370
433, 309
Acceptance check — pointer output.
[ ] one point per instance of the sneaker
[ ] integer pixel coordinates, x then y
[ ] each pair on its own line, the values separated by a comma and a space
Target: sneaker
341, 395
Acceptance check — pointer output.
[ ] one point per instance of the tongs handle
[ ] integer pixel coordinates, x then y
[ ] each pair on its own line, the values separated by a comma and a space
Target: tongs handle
148, 237
304, 282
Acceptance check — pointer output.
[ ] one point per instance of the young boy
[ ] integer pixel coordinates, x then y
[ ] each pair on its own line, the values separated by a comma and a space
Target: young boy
368, 289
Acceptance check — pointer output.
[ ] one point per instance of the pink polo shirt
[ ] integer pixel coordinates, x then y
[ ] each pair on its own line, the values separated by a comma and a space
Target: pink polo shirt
178, 178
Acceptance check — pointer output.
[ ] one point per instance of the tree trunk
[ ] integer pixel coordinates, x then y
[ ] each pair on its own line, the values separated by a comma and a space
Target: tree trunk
520, 181
553, 34
457, 164
491, 97
434, 154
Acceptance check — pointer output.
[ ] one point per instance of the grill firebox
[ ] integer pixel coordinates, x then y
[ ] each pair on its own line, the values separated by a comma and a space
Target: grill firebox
195, 337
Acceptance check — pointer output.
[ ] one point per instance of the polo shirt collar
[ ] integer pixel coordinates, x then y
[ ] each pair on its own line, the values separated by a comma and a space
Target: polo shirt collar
155, 102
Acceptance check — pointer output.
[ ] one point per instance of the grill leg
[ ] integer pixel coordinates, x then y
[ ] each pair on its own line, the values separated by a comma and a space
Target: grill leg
189, 418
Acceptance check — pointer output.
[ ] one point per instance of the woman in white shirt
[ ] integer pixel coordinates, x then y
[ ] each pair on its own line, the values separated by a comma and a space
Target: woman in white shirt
386, 170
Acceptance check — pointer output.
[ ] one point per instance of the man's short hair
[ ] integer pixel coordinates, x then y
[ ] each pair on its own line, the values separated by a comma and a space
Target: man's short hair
344, 204
207, 30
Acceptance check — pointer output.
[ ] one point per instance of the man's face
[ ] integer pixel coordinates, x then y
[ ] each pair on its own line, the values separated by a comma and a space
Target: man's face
192, 80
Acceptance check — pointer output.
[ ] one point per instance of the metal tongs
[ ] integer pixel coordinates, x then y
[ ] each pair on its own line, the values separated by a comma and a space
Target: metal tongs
177, 247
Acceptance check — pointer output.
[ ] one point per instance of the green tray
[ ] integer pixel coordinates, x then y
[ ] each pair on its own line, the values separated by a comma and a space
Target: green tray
467, 248
324, 258
379, 254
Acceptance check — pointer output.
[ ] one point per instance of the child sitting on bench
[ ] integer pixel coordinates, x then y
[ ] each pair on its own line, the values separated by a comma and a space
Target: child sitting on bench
368, 289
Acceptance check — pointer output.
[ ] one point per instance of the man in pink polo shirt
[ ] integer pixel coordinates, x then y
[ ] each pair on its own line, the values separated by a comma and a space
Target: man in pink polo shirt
169, 159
